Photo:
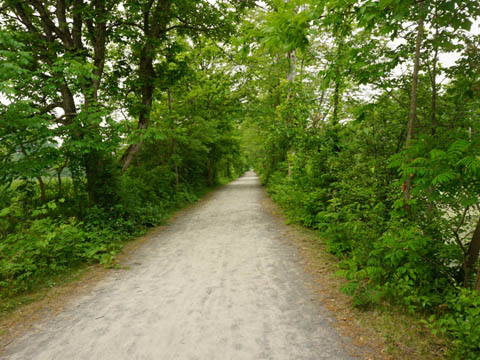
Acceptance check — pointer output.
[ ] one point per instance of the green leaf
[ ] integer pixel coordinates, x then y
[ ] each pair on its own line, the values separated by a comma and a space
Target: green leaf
4, 212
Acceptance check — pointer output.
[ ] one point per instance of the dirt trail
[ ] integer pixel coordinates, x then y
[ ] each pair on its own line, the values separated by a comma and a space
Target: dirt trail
219, 283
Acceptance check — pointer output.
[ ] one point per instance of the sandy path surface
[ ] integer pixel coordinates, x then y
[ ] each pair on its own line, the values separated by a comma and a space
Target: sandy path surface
219, 283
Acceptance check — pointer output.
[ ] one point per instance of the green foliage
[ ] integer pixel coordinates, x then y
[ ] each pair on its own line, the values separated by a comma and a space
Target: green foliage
44, 247
400, 215
108, 127
462, 321
65, 198
37, 242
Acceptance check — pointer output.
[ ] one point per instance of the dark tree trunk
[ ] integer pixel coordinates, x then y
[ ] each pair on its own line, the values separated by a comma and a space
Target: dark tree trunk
473, 253
98, 176
91, 168
413, 102
147, 76
477, 282
174, 141
210, 172
177, 178
43, 195
291, 74
336, 101
338, 75
211, 168
155, 21
337, 92
433, 117
59, 182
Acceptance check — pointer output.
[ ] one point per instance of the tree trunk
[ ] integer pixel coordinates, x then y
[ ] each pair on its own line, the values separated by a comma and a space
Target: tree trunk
91, 172
292, 72
433, 117
210, 172
433, 79
95, 160
413, 103
43, 195
473, 252
154, 25
477, 282
59, 182
336, 101
174, 141
147, 76
177, 178
338, 75
337, 92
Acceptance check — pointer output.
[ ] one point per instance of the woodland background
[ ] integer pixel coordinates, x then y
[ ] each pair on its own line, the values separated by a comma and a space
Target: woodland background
115, 112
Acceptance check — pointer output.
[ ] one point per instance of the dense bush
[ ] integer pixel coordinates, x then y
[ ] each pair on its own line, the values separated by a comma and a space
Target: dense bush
73, 190
37, 241
349, 186
43, 242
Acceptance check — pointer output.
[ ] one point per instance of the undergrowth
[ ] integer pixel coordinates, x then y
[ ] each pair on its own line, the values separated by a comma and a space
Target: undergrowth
388, 259
41, 242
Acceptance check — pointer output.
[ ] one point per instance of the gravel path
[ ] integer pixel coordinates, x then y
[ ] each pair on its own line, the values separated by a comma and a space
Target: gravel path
219, 283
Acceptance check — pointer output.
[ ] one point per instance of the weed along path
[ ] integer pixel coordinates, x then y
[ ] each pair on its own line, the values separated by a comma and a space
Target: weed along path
220, 282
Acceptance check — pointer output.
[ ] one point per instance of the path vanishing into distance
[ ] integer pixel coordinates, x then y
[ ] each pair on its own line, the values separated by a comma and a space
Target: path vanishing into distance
220, 282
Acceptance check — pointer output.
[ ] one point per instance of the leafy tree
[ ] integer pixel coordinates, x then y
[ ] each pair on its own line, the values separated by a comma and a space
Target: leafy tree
380, 155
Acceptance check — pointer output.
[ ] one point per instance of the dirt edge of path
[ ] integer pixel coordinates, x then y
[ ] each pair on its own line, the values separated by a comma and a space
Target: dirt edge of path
80, 282
371, 337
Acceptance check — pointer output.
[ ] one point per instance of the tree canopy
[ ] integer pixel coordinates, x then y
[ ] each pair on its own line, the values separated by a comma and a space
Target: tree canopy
115, 112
